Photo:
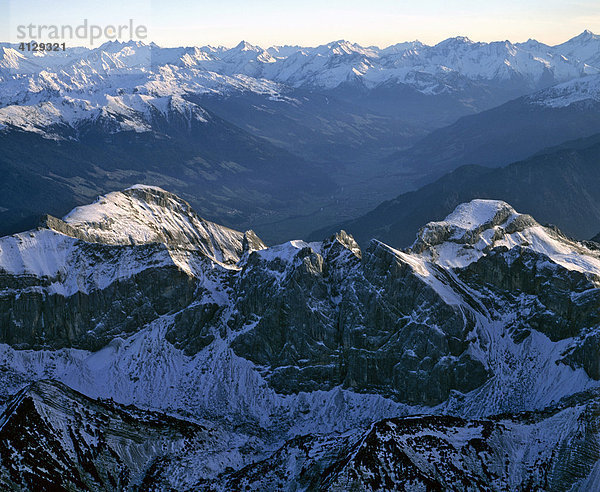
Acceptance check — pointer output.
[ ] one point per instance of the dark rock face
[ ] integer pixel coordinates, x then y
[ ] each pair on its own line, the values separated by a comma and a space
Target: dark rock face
108, 281
586, 353
324, 316
310, 316
192, 329
53, 438
524, 451
558, 302
368, 324
486, 307
35, 319
319, 316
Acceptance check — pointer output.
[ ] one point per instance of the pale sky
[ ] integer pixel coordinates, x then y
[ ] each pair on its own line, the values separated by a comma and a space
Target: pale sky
313, 22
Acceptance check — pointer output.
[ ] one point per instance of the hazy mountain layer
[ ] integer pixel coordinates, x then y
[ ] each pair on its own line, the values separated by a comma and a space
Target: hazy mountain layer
558, 186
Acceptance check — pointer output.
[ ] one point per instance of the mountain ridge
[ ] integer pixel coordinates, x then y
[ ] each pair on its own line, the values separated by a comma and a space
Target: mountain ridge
297, 353
158, 72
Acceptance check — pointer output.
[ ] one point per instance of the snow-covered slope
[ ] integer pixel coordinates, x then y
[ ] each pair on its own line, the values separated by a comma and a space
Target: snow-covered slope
138, 299
508, 452
124, 236
129, 81
147, 214
170, 232
479, 226
567, 93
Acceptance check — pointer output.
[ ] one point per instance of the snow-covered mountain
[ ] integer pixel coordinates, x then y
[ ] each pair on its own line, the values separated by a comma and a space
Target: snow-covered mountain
126, 83
329, 65
129, 81
583, 90
138, 300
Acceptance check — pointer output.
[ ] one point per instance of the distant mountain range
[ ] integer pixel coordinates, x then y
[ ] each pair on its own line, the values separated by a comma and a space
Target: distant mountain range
328, 66
284, 139
434, 339
456, 65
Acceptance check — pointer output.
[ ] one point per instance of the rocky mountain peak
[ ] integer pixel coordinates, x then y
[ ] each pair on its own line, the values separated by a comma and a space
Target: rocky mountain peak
246, 46
465, 224
148, 214
586, 35
342, 241
493, 313
476, 228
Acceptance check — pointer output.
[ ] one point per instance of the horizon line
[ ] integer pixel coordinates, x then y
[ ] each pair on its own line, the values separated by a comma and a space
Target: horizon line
264, 47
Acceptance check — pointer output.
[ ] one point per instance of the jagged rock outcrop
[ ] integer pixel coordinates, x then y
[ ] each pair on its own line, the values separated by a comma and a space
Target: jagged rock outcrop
136, 297
403, 324
90, 320
109, 268
368, 323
